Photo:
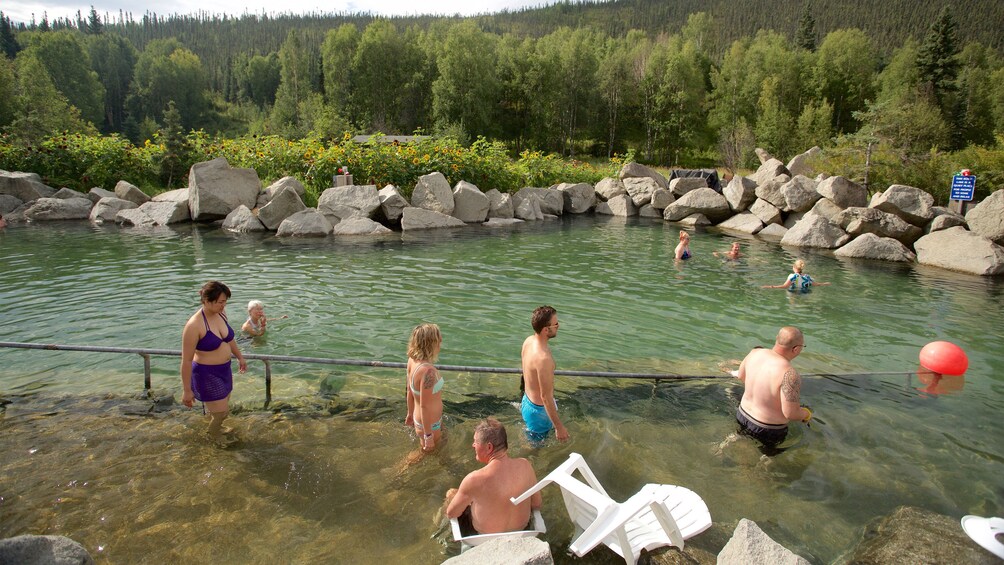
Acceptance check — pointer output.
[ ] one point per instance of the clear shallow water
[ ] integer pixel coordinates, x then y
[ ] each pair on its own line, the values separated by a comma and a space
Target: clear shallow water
317, 474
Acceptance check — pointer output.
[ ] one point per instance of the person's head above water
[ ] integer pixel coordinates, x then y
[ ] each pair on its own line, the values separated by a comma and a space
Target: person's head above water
798, 265
541, 318
255, 305
425, 342
212, 290
491, 432
684, 236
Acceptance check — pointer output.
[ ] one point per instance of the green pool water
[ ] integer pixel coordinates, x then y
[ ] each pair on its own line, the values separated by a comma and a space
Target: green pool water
318, 476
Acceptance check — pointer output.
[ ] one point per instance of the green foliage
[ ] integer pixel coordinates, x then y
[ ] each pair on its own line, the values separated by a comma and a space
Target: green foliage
936, 60
81, 161
63, 56
166, 71
175, 160
805, 38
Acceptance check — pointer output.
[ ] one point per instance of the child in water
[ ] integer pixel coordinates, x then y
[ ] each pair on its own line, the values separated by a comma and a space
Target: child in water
256, 322
798, 280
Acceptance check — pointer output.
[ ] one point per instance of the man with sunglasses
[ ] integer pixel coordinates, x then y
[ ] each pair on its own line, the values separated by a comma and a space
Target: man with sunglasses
773, 389
539, 409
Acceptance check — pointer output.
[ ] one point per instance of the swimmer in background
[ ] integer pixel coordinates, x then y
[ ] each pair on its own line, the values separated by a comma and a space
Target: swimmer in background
3, 222
683, 248
424, 385
798, 280
256, 322
732, 254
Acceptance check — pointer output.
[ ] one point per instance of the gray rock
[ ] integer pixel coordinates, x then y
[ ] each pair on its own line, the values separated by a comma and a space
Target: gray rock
610, 187
801, 164
528, 208
857, 221
433, 192
133, 217
392, 203
67, 193
506, 551
987, 217
24, 186
551, 201
771, 191
911, 204
284, 203
914, 535
47, 209
766, 212
957, 249
352, 201
131, 192
681, 186
423, 219
501, 222
661, 198
305, 223
649, 211
9, 203
640, 189
944, 219
292, 183
799, 194
750, 545
500, 205
769, 170
826, 208
763, 155
578, 197
637, 170
108, 207
792, 218
165, 213
243, 220
176, 195
360, 226
815, 231
701, 201
215, 189
620, 205
43, 550
744, 222
470, 205
740, 193
843, 192
773, 232
694, 220
871, 246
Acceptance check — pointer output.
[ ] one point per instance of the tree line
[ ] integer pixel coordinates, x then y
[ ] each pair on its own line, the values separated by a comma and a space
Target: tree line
680, 98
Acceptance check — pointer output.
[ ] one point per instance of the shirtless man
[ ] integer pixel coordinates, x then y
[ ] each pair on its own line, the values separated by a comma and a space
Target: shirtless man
540, 411
482, 502
771, 397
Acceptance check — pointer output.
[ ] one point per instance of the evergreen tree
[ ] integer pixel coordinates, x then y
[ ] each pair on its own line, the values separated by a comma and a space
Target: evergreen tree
94, 25
937, 61
173, 162
44, 26
806, 36
8, 44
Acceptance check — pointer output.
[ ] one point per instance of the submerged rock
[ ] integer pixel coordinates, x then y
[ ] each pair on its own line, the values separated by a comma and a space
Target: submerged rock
915, 535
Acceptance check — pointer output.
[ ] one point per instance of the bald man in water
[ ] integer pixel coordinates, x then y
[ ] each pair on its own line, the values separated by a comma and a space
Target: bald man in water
773, 389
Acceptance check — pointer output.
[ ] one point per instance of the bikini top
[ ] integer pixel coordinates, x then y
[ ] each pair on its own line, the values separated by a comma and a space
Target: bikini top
211, 341
435, 388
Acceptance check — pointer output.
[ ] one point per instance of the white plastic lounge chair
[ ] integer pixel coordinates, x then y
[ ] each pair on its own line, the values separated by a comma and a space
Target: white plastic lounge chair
657, 515
985, 532
536, 523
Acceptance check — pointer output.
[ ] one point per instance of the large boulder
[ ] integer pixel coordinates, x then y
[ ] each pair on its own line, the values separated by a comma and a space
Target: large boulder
620, 205
695, 220
392, 202
640, 189
108, 207
360, 226
25, 186
987, 217
305, 223
944, 219
528, 208
683, 185
578, 197
423, 219
10, 203
165, 213
215, 189
843, 192
45, 209
801, 164
800, 194
911, 204
351, 201
740, 193
766, 212
176, 195
284, 203
769, 170
243, 220
701, 201
762, 155
771, 191
470, 205
649, 211
501, 222
610, 187
857, 221
43, 550
506, 551
499, 204
744, 222
133, 217
773, 232
551, 201
871, 246
433, 192
131, 192
957, 249
915, 535
271, 190
815, 231
661, 198
826, 208
67, 193
750, 545
637, 170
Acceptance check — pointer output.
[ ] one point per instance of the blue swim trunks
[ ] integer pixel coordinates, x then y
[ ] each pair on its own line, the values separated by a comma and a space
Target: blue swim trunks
538, 423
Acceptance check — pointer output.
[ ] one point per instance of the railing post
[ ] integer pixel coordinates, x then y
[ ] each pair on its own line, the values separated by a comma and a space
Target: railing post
146, 371
268, 383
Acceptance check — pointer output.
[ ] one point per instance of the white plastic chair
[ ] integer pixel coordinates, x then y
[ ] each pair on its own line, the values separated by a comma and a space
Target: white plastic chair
657, 515
536, 527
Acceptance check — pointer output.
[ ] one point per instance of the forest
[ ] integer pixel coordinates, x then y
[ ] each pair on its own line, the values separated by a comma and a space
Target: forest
901, 91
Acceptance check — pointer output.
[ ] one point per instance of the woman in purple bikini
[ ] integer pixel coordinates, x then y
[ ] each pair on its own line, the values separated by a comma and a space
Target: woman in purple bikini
207, 343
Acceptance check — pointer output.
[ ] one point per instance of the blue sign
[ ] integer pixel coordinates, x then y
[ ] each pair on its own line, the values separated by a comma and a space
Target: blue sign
963, 187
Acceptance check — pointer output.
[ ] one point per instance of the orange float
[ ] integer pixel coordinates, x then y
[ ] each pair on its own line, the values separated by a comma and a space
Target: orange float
944, 357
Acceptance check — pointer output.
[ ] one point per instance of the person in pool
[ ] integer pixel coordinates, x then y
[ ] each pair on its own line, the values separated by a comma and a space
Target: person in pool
207, 344
772, 391
256, 322
797, 280
424, 386
539, 409
683, 248
732, 254
481, 504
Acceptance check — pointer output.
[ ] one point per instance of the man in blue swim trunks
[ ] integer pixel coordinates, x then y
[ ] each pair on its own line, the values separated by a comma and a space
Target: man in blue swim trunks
540, 411
773, 388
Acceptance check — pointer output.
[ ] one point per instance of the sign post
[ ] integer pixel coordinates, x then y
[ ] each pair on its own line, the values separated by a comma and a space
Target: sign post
963, 189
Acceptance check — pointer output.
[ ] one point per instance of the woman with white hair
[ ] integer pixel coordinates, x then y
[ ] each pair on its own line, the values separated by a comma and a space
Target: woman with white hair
256, 322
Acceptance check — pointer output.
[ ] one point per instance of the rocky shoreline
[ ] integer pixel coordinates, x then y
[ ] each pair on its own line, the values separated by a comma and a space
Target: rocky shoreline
778, 202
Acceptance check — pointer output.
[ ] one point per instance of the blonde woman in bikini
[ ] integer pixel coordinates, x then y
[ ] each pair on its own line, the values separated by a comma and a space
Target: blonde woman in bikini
425, 385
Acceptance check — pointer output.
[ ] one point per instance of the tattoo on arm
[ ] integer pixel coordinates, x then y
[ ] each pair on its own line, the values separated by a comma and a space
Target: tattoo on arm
429, 380
791, 385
